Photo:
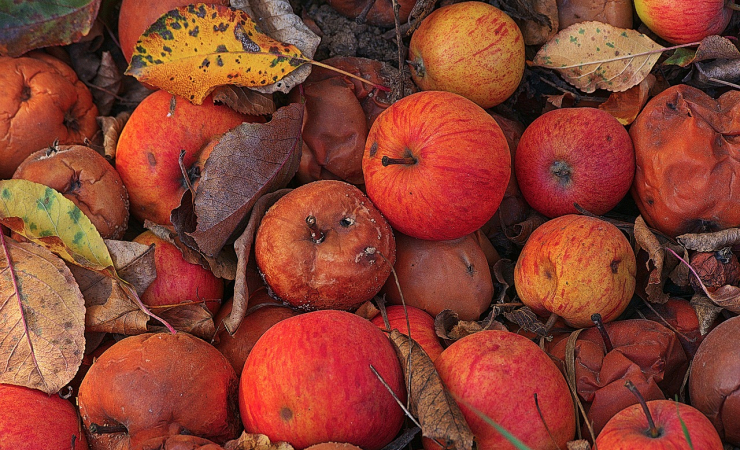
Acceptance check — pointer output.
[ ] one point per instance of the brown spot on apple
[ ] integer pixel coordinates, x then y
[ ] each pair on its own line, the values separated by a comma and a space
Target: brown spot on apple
373, 149
151, 159
286, 413
615, 265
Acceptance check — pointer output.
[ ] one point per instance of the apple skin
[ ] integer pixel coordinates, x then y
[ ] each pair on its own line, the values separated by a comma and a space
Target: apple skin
457, 165
470, 48
498, 373
179, 281
420, 322
148, 150
684, 21
307, 380
574, 155
576, 266
32, 420
627, 430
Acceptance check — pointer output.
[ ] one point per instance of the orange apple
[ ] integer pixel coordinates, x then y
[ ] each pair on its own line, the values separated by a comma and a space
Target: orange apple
470, 48
576, 266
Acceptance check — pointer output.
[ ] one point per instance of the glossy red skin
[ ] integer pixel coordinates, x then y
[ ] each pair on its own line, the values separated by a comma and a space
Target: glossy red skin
148, 151
596, 147
307, 380
627, 430
462, 171
421, 323
684, 21
33, 420
498, 373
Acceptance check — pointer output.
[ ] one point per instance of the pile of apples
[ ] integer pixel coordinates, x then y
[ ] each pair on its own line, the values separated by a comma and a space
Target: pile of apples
436, 168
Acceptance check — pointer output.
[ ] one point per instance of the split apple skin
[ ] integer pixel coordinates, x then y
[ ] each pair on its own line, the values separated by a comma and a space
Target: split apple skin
436, 165
576, 266
684, 21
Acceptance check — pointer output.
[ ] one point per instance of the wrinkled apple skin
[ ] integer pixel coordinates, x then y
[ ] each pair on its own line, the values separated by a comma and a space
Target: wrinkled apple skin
575, 266
470, 48
308, 380
498, 373
627, 429
684, 21
461, 170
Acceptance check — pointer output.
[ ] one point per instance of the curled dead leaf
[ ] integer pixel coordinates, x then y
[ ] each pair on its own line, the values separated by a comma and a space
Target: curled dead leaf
244, 100
448, 326
111, 128
710, 242
193, 318
706, 311
625, 106
106, 84
249, 441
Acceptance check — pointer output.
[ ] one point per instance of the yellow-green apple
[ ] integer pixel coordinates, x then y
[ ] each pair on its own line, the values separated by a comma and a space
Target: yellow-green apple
574, 155
148, 150
33, 420
659, 425
499, 373
439, 275
576, 266
84, 176
418, 321
179, 281
684, 21
324, 245
436, 165
470, 48
308, 380
153, 385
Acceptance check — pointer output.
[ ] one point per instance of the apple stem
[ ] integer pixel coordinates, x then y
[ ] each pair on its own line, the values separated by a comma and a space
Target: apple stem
185, 174
316, 235
107, 429
653, 430
406, 160
596, 318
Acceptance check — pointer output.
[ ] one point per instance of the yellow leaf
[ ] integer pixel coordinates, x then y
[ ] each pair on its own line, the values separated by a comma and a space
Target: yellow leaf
44, 216
193, 49
42, 318
595, 55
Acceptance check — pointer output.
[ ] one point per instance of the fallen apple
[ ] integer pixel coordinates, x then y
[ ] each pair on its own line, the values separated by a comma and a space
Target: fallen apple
418, 321
684, 21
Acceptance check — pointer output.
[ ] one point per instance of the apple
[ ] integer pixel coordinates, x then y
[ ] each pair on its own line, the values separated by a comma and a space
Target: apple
148, 150
617, 13
574, 155
470, 48
179, 281
86, 178
324, 245
154, 385
439, 275
32, 420
436, 165
499, 373
308, 380
576, 266
658, 425
684, 21
419, 322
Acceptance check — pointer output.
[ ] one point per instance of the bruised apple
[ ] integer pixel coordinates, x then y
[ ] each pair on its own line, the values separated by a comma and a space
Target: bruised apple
308, 380
436, 165
576, 266
418, 321
324, 245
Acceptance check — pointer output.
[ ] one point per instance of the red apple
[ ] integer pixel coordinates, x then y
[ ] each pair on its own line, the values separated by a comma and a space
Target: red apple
576, 266
436, 165
470, 48
574, 155
148, 151
629, 429
308, 380
324, 246
499, 373
684, 21
179, 281
33, 420
420, 323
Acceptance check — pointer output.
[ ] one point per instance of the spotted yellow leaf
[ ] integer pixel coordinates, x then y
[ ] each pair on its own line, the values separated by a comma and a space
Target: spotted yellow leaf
193, 49
595, 55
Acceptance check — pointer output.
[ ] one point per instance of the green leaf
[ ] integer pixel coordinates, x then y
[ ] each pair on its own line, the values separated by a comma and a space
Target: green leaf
44, 216
27, 25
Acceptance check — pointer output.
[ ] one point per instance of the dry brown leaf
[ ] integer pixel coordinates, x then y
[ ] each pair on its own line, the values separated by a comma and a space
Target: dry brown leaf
706, 311
421, 9
243, 248
193, 318
625, 106
710, 242
367, 310
580, 444
106, 84
249, 161
720, 72
536, 33
248, 441
448, 326
436, 410
111, 128
244, 100
519, 233
645, 239
42, 318
527, 320
716, 47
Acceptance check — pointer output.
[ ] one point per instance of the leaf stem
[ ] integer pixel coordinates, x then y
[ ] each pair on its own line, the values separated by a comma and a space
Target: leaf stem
343, 72
618, 58
143, 307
